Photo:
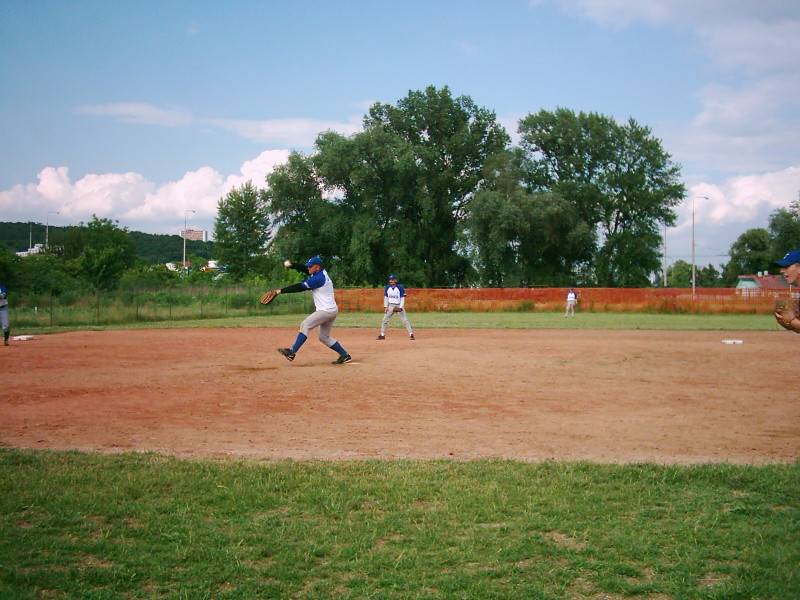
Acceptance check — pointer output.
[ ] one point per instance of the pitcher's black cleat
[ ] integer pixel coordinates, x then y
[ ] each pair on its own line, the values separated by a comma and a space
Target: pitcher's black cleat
411, 337
343, 359
381, 337
287, 352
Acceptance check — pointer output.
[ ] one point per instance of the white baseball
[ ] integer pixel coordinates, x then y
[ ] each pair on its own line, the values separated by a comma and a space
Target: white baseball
287, 263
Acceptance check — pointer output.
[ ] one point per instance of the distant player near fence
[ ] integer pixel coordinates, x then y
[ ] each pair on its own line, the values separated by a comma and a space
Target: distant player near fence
4, 313
572, 300
394, 302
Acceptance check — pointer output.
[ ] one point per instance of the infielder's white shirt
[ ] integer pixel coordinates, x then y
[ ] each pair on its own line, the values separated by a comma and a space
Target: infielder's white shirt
394, 296
321, 288
571, 297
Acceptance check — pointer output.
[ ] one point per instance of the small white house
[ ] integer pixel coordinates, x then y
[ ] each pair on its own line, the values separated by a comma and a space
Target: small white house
762, 283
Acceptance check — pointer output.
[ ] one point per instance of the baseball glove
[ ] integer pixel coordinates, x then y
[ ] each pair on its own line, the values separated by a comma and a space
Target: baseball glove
397, 309
268, 297
786, 317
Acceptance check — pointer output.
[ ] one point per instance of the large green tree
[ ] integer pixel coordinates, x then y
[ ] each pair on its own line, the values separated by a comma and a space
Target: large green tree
449, 140
784, 228
241, 230
107, 252
620, 179
750, 253
522, 238
679, 275
393, 197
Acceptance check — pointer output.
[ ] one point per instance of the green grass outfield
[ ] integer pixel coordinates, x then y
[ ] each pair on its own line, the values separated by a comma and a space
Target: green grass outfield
144, 526
498, 320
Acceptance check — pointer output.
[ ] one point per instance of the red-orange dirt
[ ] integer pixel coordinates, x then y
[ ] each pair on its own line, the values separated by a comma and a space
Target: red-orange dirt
607, 396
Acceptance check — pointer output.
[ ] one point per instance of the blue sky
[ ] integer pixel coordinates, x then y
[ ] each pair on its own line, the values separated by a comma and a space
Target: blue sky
141, 111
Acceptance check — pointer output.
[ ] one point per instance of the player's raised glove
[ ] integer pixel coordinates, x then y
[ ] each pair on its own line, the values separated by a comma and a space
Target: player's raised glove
786, 317
269, 296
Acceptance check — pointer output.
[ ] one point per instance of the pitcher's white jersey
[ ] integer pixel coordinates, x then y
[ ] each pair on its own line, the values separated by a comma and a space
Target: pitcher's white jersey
321, 288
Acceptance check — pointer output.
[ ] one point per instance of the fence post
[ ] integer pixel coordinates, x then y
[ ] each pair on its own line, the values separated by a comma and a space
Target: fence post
201, 307
97, 308
136, 296
51, 308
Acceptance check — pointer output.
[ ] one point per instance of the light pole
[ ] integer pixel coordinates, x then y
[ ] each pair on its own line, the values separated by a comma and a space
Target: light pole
183, 235
665, 254
693, 265
47, 228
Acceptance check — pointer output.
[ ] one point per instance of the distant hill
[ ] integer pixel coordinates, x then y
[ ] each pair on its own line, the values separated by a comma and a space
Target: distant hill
158, 248
152, 248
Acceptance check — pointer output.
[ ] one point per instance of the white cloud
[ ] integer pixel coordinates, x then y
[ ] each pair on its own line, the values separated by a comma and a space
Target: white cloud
288, 132
140, 112
292, 132
749, 127
622, 13
130, 198
754, 45
739, 199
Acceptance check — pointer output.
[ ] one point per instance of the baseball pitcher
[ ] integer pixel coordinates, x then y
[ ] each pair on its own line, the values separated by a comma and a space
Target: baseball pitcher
394, 302
321, 286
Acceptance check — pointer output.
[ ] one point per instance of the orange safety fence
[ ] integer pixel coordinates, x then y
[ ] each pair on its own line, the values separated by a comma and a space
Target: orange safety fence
659, 300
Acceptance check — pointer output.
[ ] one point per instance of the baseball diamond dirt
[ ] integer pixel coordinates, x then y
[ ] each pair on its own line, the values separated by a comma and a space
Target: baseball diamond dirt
608, 396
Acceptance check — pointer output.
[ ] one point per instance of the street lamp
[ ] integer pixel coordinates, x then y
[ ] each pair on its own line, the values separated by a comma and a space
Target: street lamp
47, 229
183, 235
693, 265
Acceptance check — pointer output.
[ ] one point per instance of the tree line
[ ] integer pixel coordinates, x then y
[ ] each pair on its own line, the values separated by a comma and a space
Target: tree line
433, 188
95, 256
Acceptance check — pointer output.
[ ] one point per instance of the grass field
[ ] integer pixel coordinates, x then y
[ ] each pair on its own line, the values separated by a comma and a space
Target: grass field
522, 320
145, 526
76, 525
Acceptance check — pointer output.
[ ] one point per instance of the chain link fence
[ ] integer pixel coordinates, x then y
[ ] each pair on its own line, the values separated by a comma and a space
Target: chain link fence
110, 308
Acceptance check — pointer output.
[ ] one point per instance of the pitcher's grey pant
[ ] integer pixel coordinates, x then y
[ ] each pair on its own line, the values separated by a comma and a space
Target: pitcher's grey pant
4, 318
387, 316
324, 320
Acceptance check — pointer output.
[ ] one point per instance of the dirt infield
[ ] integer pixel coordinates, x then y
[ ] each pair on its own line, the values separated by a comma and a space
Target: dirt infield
608, 396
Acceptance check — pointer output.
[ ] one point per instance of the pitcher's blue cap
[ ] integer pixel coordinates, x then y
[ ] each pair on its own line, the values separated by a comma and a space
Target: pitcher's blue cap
391, 277
790, 258
314, 260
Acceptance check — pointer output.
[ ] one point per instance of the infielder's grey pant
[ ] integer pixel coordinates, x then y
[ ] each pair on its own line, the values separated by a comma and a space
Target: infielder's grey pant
387, 316
4, 318
322, 319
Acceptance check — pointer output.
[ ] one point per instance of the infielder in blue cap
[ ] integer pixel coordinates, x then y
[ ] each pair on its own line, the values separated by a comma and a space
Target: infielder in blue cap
786, 314
394, 302
321, 286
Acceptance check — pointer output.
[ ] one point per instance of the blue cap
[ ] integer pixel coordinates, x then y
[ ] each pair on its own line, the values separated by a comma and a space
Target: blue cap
392, 277
790, 258
314, 260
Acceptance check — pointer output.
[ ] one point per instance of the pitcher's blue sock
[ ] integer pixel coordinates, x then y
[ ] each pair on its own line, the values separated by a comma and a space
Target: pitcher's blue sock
337, 347
301, 339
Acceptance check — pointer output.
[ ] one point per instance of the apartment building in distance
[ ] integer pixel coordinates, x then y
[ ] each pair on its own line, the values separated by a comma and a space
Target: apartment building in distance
197, 235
